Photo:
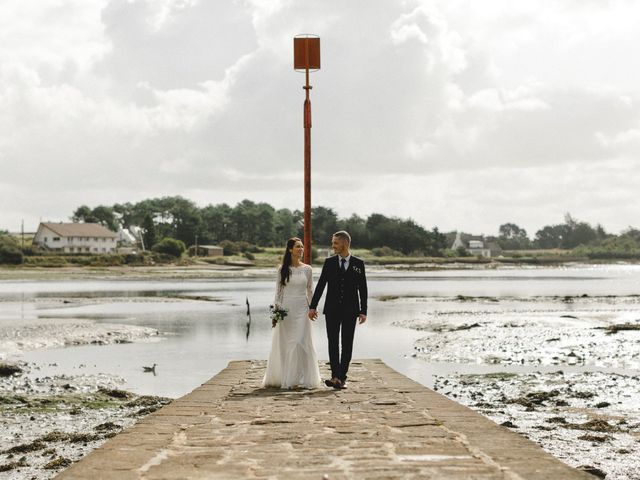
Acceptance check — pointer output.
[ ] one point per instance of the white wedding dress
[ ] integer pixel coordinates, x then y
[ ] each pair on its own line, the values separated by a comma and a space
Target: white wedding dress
293, 359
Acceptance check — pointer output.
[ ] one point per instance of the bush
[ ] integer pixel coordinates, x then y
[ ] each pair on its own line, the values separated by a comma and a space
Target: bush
235, 248
386, 252
623, 247
10, 251
141, 258
32, 250
46, 261
170, 246
163, 258
249, 256
229, 247
243, 246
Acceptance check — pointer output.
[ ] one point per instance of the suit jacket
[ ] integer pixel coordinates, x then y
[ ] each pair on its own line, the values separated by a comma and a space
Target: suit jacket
346, 292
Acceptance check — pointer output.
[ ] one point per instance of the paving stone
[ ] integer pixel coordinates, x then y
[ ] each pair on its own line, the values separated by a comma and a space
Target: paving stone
384, 426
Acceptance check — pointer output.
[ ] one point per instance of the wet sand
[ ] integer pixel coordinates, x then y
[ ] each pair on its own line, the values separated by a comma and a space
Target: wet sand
50, 422
586, 418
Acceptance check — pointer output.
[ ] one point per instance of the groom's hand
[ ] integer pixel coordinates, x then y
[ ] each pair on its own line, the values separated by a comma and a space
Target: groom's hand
313, 314
362, 318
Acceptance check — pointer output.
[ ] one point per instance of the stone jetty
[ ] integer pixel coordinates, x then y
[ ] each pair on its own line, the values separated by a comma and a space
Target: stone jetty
383, 426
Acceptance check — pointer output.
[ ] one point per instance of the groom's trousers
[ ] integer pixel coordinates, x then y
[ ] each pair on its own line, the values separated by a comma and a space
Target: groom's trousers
337, 324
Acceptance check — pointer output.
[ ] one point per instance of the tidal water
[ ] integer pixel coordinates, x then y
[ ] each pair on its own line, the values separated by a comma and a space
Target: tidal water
202, 336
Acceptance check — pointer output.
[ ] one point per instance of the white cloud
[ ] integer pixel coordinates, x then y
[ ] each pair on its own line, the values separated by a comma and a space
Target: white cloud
441, 110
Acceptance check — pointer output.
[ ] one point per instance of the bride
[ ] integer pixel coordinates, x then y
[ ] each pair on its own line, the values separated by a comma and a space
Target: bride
292, 361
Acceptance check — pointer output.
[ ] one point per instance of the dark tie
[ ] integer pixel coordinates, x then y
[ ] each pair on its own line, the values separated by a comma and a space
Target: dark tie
343, 261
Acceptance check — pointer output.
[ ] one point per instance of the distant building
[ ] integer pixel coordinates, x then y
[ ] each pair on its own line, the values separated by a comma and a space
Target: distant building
211, 250
476, 245
75, 238
125, 237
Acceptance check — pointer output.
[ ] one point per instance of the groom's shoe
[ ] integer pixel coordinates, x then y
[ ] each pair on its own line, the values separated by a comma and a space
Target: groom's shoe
333, 383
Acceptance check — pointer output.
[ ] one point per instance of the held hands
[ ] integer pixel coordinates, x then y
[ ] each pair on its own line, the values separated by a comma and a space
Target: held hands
313, 314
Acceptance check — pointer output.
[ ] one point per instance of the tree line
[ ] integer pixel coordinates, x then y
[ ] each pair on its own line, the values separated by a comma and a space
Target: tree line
249, 223
259, 224
567, 235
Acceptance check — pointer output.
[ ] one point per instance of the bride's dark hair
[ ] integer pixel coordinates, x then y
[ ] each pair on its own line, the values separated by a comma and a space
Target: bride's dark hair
285, 269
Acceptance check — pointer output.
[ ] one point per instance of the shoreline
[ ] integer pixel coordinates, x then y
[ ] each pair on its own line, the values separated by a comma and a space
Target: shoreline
212, 271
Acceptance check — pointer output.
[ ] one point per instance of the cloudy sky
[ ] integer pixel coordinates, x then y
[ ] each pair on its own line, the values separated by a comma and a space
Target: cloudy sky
460, 114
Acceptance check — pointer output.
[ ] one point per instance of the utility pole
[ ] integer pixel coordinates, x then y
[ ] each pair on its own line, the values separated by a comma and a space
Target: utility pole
306, 57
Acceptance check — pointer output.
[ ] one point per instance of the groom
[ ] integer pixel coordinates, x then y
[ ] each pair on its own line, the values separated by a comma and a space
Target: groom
346, 302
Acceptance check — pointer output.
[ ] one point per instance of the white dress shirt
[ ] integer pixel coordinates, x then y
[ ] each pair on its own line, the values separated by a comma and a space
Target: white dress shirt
346, 263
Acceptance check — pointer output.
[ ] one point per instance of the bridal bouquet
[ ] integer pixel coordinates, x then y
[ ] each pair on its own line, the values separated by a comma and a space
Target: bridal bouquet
277, 314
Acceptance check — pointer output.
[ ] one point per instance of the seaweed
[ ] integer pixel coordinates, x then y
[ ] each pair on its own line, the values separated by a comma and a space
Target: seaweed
620, 327
57, 463
534, 398
26, 447
7, 369
596, 425
13, 465
594, 438
55, 436
115, 393
107, 426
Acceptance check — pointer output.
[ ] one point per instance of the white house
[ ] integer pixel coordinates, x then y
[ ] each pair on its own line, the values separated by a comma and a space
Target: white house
125, 237
476, 246
76, 238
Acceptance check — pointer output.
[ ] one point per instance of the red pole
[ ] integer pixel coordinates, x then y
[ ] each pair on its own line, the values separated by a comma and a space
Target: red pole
307, 172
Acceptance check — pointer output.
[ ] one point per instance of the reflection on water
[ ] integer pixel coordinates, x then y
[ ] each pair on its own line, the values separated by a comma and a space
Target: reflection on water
203, 336
248, 319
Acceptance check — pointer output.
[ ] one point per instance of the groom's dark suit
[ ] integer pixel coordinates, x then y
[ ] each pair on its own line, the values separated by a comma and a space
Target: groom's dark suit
346, 299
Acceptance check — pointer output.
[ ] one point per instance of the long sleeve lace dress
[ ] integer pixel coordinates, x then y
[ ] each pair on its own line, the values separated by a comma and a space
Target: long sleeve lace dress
293, 361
